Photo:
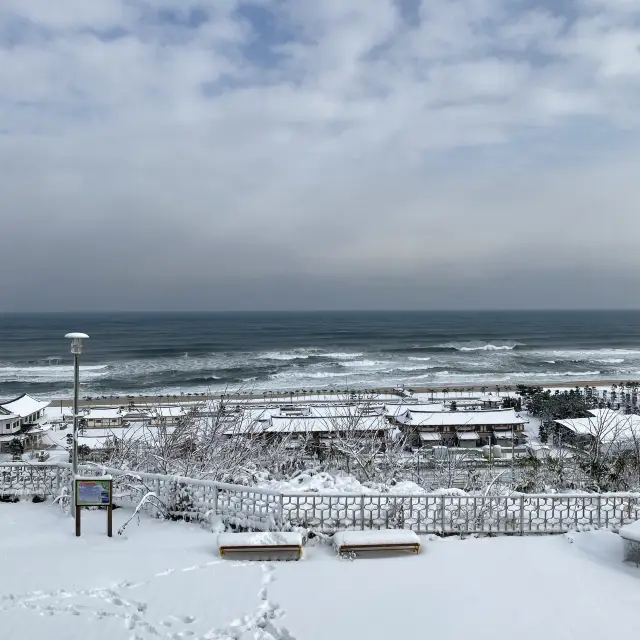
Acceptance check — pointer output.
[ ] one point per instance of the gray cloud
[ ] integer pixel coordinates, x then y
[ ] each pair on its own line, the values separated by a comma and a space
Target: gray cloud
251, 155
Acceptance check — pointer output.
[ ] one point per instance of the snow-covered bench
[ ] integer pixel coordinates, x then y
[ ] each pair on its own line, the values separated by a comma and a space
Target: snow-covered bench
381, 540
631, 536
259, 545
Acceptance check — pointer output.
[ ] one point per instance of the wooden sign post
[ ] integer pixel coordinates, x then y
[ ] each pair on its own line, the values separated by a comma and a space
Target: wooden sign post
94, 492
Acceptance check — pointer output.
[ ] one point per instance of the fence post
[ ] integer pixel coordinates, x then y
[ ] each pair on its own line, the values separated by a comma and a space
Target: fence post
57, 481
521, 515
442, 514
599, 511
362, 511
215, 500
281, 510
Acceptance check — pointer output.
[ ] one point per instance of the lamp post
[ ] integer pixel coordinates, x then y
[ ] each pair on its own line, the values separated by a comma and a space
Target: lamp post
76, 349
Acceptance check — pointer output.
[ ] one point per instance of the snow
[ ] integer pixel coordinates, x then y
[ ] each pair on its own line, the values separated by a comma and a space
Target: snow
280, 424
462, 418
104, 413
260, 539
165, 580
606, 425
381, 537
24, 405
631, 531
467, 435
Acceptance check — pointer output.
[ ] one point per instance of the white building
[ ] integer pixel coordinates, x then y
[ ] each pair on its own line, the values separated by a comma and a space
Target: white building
21, 418
26, 408
9, 422
605, 425
166, 416
99, 417
467, 429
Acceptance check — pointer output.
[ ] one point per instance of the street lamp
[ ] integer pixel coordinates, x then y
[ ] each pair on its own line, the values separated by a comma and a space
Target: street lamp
76, 349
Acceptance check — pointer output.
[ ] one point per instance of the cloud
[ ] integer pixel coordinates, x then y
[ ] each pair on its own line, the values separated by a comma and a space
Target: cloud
199, 154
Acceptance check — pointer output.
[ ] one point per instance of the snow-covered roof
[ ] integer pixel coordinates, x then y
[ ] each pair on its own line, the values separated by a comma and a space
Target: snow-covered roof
136, 413
98, 438
606, 425
104, 413
325, 425
463, 418
398, 410
24, 405
427, 436
168, 411
5, 416
467, 435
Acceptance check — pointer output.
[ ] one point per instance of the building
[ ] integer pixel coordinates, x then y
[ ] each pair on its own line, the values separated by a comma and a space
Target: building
27, 409
21, 419
166, 416
100, 417
491, 401
9, 422
464, 429
607, 426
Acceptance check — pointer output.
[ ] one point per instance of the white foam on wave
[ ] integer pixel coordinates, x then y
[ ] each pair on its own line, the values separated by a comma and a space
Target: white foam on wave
357, 364
479, 346
590, 354
409, 367
417, 359
51, 373
489, 347
284, 355
341, 355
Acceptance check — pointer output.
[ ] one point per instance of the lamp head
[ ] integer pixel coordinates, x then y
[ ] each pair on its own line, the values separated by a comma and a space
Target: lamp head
76, 341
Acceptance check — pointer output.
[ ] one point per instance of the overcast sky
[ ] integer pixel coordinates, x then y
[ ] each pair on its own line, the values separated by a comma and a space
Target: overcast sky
298, 154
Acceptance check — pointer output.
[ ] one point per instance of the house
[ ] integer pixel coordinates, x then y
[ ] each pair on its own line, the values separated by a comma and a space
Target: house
9, 422
26, 408
99, 417
491, 401
21, 419
135, 414
608, 426
465, 429
166, 416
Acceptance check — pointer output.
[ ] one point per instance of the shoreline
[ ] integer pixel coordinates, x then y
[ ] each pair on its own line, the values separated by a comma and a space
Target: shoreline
297, 395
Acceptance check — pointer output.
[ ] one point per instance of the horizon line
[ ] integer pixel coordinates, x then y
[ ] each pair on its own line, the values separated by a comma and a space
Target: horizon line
328, 310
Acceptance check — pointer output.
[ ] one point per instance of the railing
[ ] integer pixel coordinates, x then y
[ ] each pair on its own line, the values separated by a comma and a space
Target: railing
254, 508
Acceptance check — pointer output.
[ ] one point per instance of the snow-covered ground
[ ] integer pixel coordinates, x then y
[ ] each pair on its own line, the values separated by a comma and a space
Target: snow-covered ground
165, 580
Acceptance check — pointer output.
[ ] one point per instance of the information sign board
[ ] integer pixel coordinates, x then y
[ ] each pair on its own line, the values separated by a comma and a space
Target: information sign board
93, 492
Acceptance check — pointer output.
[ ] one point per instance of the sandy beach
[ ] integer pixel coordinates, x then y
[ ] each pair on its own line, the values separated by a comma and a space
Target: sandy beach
298, 396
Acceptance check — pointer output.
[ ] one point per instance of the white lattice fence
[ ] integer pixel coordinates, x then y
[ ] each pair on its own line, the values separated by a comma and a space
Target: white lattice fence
253, 508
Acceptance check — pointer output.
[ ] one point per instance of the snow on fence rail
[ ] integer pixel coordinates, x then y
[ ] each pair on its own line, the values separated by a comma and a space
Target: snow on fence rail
253, 508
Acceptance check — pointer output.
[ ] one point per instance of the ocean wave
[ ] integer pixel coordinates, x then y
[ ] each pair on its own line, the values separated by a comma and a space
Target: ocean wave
357, 364
341, 355
417, 359
285, 355
53, 373
479, 346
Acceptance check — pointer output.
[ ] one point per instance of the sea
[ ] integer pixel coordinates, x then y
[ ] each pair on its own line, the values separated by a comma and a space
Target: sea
172, 353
